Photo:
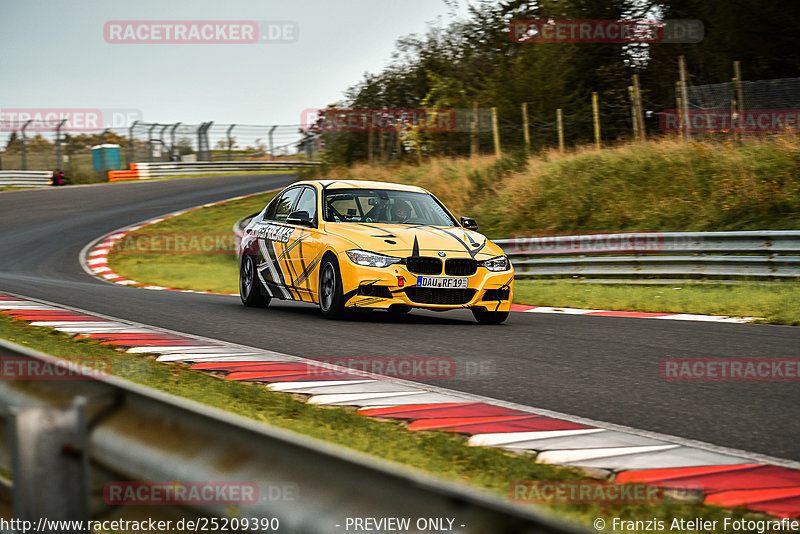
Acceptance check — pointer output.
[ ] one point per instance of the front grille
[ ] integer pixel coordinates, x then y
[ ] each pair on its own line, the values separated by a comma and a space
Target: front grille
460, 267
432, 295
424, 265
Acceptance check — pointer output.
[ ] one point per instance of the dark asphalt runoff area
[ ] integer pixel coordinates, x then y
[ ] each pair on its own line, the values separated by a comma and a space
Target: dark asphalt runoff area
602, 368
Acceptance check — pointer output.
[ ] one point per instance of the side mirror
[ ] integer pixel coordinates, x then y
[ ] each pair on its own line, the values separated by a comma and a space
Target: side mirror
299, 218
469, 223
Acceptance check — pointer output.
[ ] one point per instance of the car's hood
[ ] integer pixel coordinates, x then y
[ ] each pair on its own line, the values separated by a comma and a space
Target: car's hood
403, 240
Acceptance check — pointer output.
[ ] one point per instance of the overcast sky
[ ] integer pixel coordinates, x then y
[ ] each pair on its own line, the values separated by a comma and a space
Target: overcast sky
55, 55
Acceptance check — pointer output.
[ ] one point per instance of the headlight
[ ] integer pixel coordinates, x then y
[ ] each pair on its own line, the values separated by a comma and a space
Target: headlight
370, 259
500, 263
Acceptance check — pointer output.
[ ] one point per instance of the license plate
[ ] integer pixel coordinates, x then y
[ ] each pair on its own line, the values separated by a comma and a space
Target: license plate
442, 282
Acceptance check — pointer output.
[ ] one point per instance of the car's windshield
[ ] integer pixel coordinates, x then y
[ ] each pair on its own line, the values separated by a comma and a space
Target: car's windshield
384, 206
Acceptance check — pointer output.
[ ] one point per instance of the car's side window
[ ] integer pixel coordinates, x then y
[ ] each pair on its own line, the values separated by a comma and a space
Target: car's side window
269, 212
284, 204
308, 202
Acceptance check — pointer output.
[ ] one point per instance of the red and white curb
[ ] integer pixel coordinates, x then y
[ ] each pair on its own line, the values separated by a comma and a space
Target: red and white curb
725, 477
94, 256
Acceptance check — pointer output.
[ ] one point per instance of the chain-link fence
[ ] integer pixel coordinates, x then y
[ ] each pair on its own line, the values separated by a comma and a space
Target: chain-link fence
48, 148
782, 93
762, 107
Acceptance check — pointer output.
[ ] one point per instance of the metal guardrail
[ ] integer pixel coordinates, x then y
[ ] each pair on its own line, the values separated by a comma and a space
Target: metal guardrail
66, 439
147, 170
764, 253
759, 253
25, 178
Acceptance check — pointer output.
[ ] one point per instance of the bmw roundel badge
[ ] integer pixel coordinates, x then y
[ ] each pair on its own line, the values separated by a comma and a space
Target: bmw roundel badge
442, 254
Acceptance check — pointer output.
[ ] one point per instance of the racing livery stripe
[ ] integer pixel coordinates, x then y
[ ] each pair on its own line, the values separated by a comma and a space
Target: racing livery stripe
288, 248
287, 273
433, 229
284, 260
261, 277
303, 277
274, 277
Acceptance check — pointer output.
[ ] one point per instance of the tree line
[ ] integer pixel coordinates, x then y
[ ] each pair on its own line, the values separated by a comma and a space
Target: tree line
474, 60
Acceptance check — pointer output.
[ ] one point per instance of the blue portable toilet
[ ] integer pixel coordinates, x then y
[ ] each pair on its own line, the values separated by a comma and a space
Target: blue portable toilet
105, 157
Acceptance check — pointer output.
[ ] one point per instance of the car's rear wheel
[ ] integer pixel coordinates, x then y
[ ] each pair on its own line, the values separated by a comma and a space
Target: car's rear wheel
331, 298
488, 317
249, 285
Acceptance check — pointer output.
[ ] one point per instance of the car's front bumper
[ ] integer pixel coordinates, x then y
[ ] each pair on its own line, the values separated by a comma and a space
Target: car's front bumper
382, 288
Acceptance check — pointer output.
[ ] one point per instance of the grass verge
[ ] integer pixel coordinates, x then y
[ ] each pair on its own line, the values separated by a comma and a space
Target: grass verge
440, 453
768, 302
207, 270
661, 185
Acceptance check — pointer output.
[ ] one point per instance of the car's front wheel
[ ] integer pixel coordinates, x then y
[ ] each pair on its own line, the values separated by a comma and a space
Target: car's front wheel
488, 317
331, 298
249, 286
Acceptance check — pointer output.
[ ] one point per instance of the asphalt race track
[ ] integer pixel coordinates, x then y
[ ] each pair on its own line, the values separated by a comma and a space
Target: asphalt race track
603, 368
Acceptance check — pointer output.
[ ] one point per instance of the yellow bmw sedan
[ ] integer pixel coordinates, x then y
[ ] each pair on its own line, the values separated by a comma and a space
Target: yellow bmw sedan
346, 245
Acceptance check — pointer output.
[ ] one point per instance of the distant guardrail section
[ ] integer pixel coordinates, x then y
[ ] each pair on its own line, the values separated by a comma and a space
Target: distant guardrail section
762, 253
144, 171
24, 178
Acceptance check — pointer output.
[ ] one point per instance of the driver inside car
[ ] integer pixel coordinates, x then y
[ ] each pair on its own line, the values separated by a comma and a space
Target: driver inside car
401, 211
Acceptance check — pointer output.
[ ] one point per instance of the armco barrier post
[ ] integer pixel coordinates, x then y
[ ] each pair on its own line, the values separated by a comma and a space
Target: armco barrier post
50, 463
